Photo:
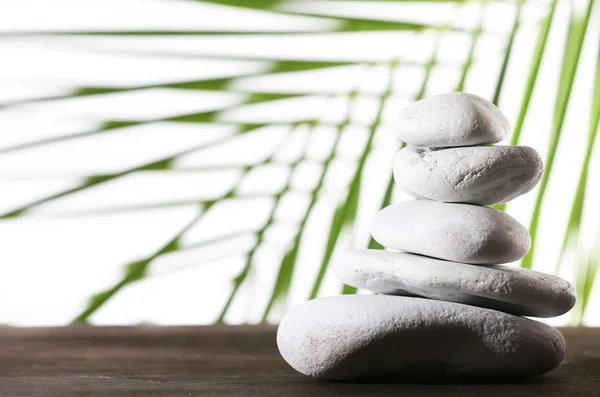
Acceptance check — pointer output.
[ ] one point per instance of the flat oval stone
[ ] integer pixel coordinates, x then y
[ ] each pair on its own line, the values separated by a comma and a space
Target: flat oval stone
377, 336
509, 289
455, 119
478, 175
454, 232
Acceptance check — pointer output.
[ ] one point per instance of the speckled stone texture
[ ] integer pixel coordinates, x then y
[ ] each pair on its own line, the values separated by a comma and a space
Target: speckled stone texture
509, 289
454, 232
478, 175
454, 119
378, 336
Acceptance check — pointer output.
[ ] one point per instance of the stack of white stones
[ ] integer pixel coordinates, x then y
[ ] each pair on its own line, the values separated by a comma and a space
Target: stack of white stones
447, 305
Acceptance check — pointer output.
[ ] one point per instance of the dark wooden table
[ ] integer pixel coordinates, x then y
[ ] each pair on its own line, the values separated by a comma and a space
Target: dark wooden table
228, 361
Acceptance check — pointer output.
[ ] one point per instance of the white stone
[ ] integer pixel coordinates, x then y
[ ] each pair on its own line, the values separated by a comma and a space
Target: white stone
454, 232
377, 336
479, 175
509, 289
455, 119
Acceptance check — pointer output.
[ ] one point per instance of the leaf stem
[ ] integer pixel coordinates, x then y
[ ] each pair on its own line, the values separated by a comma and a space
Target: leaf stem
475, 35
241, 277
287, 265
347, 209
508, 53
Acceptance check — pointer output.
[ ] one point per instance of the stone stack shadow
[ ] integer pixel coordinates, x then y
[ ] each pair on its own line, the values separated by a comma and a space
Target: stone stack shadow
447, 304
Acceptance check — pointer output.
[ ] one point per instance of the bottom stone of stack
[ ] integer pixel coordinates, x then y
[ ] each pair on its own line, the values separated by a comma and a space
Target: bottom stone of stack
381, 337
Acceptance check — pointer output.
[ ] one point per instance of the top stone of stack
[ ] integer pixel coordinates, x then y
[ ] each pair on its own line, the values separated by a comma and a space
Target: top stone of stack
454, 119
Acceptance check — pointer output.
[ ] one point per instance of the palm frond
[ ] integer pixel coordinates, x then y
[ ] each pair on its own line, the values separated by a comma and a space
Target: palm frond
534, 69
588, 266
577, 30
257, 86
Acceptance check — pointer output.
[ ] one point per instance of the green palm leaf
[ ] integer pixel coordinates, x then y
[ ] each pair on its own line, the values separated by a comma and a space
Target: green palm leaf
301, 66
577, 30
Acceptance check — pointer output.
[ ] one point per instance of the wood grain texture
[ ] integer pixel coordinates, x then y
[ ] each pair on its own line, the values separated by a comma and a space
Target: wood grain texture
229, 361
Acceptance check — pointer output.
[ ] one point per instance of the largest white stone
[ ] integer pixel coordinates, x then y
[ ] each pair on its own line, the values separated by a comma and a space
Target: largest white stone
455, 119
454, 232
371, 336
479, 175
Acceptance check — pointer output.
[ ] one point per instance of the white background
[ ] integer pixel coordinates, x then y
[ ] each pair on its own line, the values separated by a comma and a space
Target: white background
55, 256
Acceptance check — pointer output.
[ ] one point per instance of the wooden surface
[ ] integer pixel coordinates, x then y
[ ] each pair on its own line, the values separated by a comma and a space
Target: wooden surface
228, 361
